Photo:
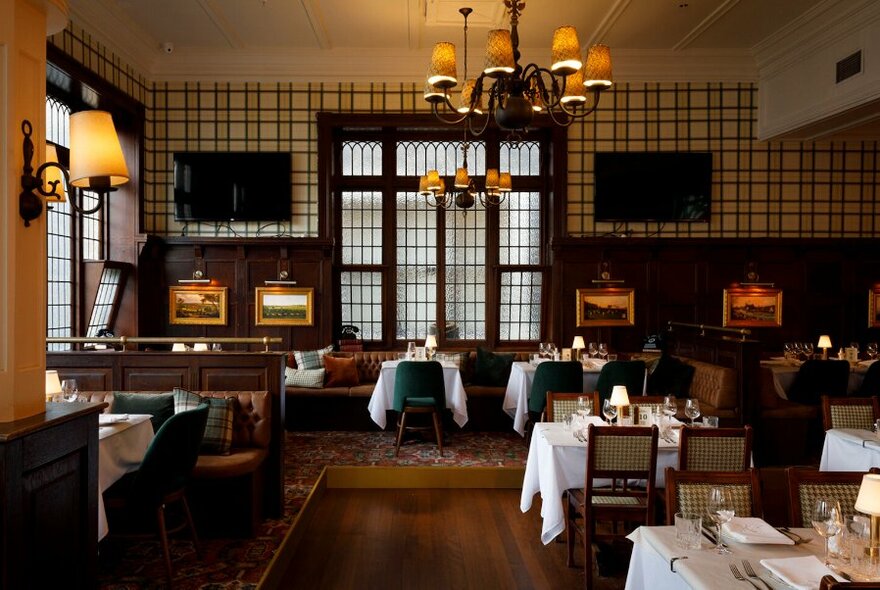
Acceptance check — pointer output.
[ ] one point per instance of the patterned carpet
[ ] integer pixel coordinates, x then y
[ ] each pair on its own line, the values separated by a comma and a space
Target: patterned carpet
240, 563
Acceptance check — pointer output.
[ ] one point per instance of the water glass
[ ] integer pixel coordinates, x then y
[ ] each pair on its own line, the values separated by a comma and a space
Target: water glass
533, 359
566, 422
710, 421
411, 350
688, 530
69, 390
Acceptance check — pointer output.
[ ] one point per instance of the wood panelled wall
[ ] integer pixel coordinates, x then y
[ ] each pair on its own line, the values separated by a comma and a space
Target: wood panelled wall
825, 285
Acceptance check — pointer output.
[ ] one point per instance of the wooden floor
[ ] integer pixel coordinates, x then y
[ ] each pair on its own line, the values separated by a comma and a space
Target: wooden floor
429, 538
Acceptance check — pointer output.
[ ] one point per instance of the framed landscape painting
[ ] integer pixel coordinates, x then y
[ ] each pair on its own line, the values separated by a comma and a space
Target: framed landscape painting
874, 307
605, 307
285, 306
199, 306
752, 307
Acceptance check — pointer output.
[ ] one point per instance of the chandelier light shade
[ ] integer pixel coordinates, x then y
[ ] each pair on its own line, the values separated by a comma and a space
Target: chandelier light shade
505, 182
515, 92
492, 179
462, 179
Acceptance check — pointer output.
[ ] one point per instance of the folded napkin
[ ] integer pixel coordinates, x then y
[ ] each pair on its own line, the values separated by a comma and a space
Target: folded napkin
748, 529
802, 573
111, 418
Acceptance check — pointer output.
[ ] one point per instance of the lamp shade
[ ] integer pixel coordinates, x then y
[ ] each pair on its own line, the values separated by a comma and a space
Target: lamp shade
868, 500
499, 53
597, 70
578, 342
505, 182
492, 178
96, 159
467, 95
434, 93
423, 186
434, 181
566, 51
574, 89
200, 346
431, 341
824, 341
462, 180
178, 347
53, 174
441, 72
619, 397
53, 384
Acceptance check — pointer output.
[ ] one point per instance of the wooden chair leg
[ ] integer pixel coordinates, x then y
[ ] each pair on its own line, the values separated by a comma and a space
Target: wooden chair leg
192, 527
438, 431
588, 554
163, 538
400, 430
569, 532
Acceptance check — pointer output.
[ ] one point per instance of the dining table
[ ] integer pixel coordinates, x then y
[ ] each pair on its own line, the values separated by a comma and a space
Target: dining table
850, 449
784, 371
557, 462
123, 440
522, 374
657, 562
382, 398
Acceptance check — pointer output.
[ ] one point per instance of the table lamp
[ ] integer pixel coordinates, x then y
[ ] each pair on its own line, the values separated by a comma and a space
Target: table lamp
868, 502
577, 346
178, 347
53, 385
619, 398
430, 346
824, 344
200, 346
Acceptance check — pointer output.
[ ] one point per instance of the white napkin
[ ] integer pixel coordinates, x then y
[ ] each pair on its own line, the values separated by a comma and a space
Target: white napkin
111, 418
748, 529
802, 573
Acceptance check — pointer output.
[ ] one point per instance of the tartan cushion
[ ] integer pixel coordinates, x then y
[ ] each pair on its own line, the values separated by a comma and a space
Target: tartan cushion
304, 377
311, 359
218, 430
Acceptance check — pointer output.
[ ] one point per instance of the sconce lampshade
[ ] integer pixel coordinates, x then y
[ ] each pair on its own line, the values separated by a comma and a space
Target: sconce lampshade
566, 51
96, 159
492, 179
442, 69
574, 89
53, 384
499, 53
434, 181
578, 343
53, 174
431, 341
868, 500
824, 341
505, 182
423, 186
462, 180
619, 396
597, 70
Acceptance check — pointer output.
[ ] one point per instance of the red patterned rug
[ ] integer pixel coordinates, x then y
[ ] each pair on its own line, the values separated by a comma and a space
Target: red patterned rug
240, 563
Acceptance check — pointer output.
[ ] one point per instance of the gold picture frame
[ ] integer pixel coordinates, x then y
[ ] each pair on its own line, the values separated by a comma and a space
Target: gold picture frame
611, 306
752, 307
197, 306
285, 306
874, 307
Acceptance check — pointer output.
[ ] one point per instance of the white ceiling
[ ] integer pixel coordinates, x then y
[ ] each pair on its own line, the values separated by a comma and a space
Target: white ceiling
391, 40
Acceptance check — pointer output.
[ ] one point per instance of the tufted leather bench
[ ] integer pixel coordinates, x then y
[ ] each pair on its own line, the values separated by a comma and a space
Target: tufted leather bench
716, 389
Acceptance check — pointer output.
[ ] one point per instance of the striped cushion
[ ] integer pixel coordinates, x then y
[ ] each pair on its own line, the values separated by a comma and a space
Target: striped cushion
852, 416
304, 377
311, 359
218, 429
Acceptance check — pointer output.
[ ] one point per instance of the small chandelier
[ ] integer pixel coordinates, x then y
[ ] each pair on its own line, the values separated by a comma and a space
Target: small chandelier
464, 194
515, 93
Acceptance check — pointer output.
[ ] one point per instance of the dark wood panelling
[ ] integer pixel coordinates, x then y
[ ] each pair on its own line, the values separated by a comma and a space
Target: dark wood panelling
230, 379
91, 379
154, 378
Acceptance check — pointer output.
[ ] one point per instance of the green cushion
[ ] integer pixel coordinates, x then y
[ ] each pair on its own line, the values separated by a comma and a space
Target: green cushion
671, 377
159, 405
493, 368
218, 431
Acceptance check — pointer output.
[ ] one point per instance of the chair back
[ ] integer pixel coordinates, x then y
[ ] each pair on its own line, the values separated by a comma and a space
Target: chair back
806, 485
688, 491
628, 373
419, 383
560, 405
641, 402
554, 376
715, 449
850, 412
621, 453
171, 456
818, 377
871, 382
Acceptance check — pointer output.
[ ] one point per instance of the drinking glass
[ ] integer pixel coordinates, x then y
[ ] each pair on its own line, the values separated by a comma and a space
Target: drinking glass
670, 406
720, 508
603, 351
551, 350
871, 350
584, 406
592, 349
609, 411
542, 349
787, 350
692, 409
217, 347
411, 350
69, 390
826, 520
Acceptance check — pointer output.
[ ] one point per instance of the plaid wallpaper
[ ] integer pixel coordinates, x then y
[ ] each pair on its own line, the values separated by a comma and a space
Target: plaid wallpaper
760, 189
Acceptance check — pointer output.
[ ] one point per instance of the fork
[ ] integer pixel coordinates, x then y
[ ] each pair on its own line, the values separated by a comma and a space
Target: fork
735, 571
751, 573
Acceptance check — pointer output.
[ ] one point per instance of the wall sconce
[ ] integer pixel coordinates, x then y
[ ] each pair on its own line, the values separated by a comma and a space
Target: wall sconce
198, 278
283, 279
605, 274
96, 163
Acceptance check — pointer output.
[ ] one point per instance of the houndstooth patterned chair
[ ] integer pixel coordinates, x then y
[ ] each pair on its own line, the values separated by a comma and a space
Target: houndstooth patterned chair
715, 449
850, 412
806, 485
560, 405
621, 454
688, 491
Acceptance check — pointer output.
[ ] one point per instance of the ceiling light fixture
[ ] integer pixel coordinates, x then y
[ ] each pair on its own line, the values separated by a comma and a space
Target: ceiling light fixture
515, 93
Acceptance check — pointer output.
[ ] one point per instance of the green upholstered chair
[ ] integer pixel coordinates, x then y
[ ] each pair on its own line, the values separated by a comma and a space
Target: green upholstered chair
628, 373
419, 388
567, 376
871, 383
141, 496
816, 378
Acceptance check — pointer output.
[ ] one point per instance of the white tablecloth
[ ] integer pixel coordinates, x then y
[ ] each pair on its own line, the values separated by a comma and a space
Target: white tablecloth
654, 547
848, 449
784, 372
382, 398
516, 397
558, 462
121, 448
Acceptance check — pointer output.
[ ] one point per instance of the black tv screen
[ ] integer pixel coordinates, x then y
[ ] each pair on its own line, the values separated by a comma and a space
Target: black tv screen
652, 186
232, 186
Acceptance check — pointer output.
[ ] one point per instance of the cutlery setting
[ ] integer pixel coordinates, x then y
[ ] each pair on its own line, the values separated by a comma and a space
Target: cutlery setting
798, 540
751, 576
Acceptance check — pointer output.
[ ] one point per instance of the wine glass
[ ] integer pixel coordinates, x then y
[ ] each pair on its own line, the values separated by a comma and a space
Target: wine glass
551, 350
719, 505
670, 406
542, 349
603, 351
826, 520
609, 411
808, 350
871, 350
787, 350
584, 406
69, 390
692, 409
592, 349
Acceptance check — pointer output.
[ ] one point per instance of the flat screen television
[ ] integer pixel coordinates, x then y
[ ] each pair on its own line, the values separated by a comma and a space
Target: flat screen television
652, 186
232, 186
